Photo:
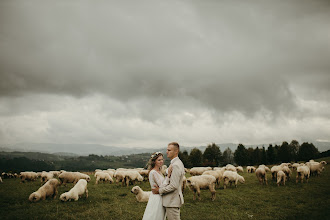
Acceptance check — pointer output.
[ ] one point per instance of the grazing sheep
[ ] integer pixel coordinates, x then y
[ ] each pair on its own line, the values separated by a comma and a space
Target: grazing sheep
132, 176
144, 174
103, 176
281, 178
46, 176
196, 183
55, 173
287, 172
274, 170
251, 169
32, 176
141, 196
261, 175
47, 190
231, 177
230, 167
120, 176
302, 171
76, 192
265, 167
239, 169
72, 177
315, 167
198, 170
216, 173
295, 166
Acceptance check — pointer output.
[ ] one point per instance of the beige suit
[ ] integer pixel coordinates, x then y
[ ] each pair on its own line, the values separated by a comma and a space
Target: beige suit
172, 193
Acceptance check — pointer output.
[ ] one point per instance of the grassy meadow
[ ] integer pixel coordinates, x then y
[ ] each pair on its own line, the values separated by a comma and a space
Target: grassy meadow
110, 201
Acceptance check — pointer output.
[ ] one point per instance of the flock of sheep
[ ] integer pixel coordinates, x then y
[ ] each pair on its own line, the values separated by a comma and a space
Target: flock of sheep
201, 178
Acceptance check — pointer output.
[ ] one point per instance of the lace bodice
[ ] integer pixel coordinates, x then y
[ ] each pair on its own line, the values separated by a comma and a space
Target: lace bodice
155, 178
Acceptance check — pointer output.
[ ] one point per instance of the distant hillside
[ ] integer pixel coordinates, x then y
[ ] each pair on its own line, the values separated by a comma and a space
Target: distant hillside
97, 149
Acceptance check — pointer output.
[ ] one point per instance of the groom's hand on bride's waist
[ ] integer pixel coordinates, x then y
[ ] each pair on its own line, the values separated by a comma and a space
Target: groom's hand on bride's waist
155, 190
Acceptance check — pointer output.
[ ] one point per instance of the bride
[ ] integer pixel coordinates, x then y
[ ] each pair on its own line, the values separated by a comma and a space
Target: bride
155, 209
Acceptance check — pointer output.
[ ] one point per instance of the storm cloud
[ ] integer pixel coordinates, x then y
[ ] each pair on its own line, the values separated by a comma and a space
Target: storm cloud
145, 73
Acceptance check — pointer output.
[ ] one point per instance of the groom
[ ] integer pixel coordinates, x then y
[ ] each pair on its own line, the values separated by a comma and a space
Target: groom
172, 192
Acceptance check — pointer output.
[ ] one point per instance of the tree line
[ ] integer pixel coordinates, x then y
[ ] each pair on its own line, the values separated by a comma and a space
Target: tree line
286, 152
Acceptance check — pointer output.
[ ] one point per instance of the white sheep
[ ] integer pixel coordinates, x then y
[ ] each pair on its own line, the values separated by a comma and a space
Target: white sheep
239, 169
196, 183
198, 170
120, 176
46, 176
274, 170
281, 177
230, 167
315, 167
72, 177
250, 169
55, 173
47, 190
141, 196
261, 175
103, 176
76, 192
216, 173
265, 167
28, 176
302, 171
132, 176
231, 177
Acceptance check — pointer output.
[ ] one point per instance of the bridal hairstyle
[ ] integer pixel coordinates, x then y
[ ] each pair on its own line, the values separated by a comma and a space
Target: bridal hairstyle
152, 160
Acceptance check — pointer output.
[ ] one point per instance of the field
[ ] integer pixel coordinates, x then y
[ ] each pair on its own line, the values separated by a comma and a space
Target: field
110, 201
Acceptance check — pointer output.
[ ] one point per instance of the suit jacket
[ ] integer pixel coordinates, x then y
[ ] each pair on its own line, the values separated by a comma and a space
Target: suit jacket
172, 193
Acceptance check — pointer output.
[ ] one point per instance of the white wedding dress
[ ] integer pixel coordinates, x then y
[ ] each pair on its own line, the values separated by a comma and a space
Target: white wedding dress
155, 209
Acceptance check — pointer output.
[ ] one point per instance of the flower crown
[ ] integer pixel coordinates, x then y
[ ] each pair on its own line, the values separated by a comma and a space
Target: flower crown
155, 154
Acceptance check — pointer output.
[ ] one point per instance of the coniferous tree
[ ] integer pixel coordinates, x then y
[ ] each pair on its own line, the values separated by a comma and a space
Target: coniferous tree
196, 157
212, 155
240, 155
271, 154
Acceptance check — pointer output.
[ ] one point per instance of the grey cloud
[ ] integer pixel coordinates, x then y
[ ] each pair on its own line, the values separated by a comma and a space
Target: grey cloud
226, 56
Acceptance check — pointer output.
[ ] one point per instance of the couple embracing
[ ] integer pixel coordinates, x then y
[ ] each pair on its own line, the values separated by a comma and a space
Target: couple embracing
166, 198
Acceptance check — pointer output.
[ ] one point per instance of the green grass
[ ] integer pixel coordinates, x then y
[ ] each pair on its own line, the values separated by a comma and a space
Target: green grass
110, 201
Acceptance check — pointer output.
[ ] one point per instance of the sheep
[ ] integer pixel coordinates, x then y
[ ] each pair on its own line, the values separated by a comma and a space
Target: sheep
295, 166
302, 171
196, 183
28, 176
239, 169
120, 176
72, 177
46, 176
1, 180
198, 170
55, 173
144, 174
131, 176
216, 173
265, 167
103, 176
315, 167
251, 169
231, 177
141, 196
281, 177
287, 172
230, 167
47, 190
261, 175
274, 170
76, 192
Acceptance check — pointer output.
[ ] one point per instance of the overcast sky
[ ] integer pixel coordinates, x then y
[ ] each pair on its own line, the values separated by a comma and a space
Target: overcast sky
145, 73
